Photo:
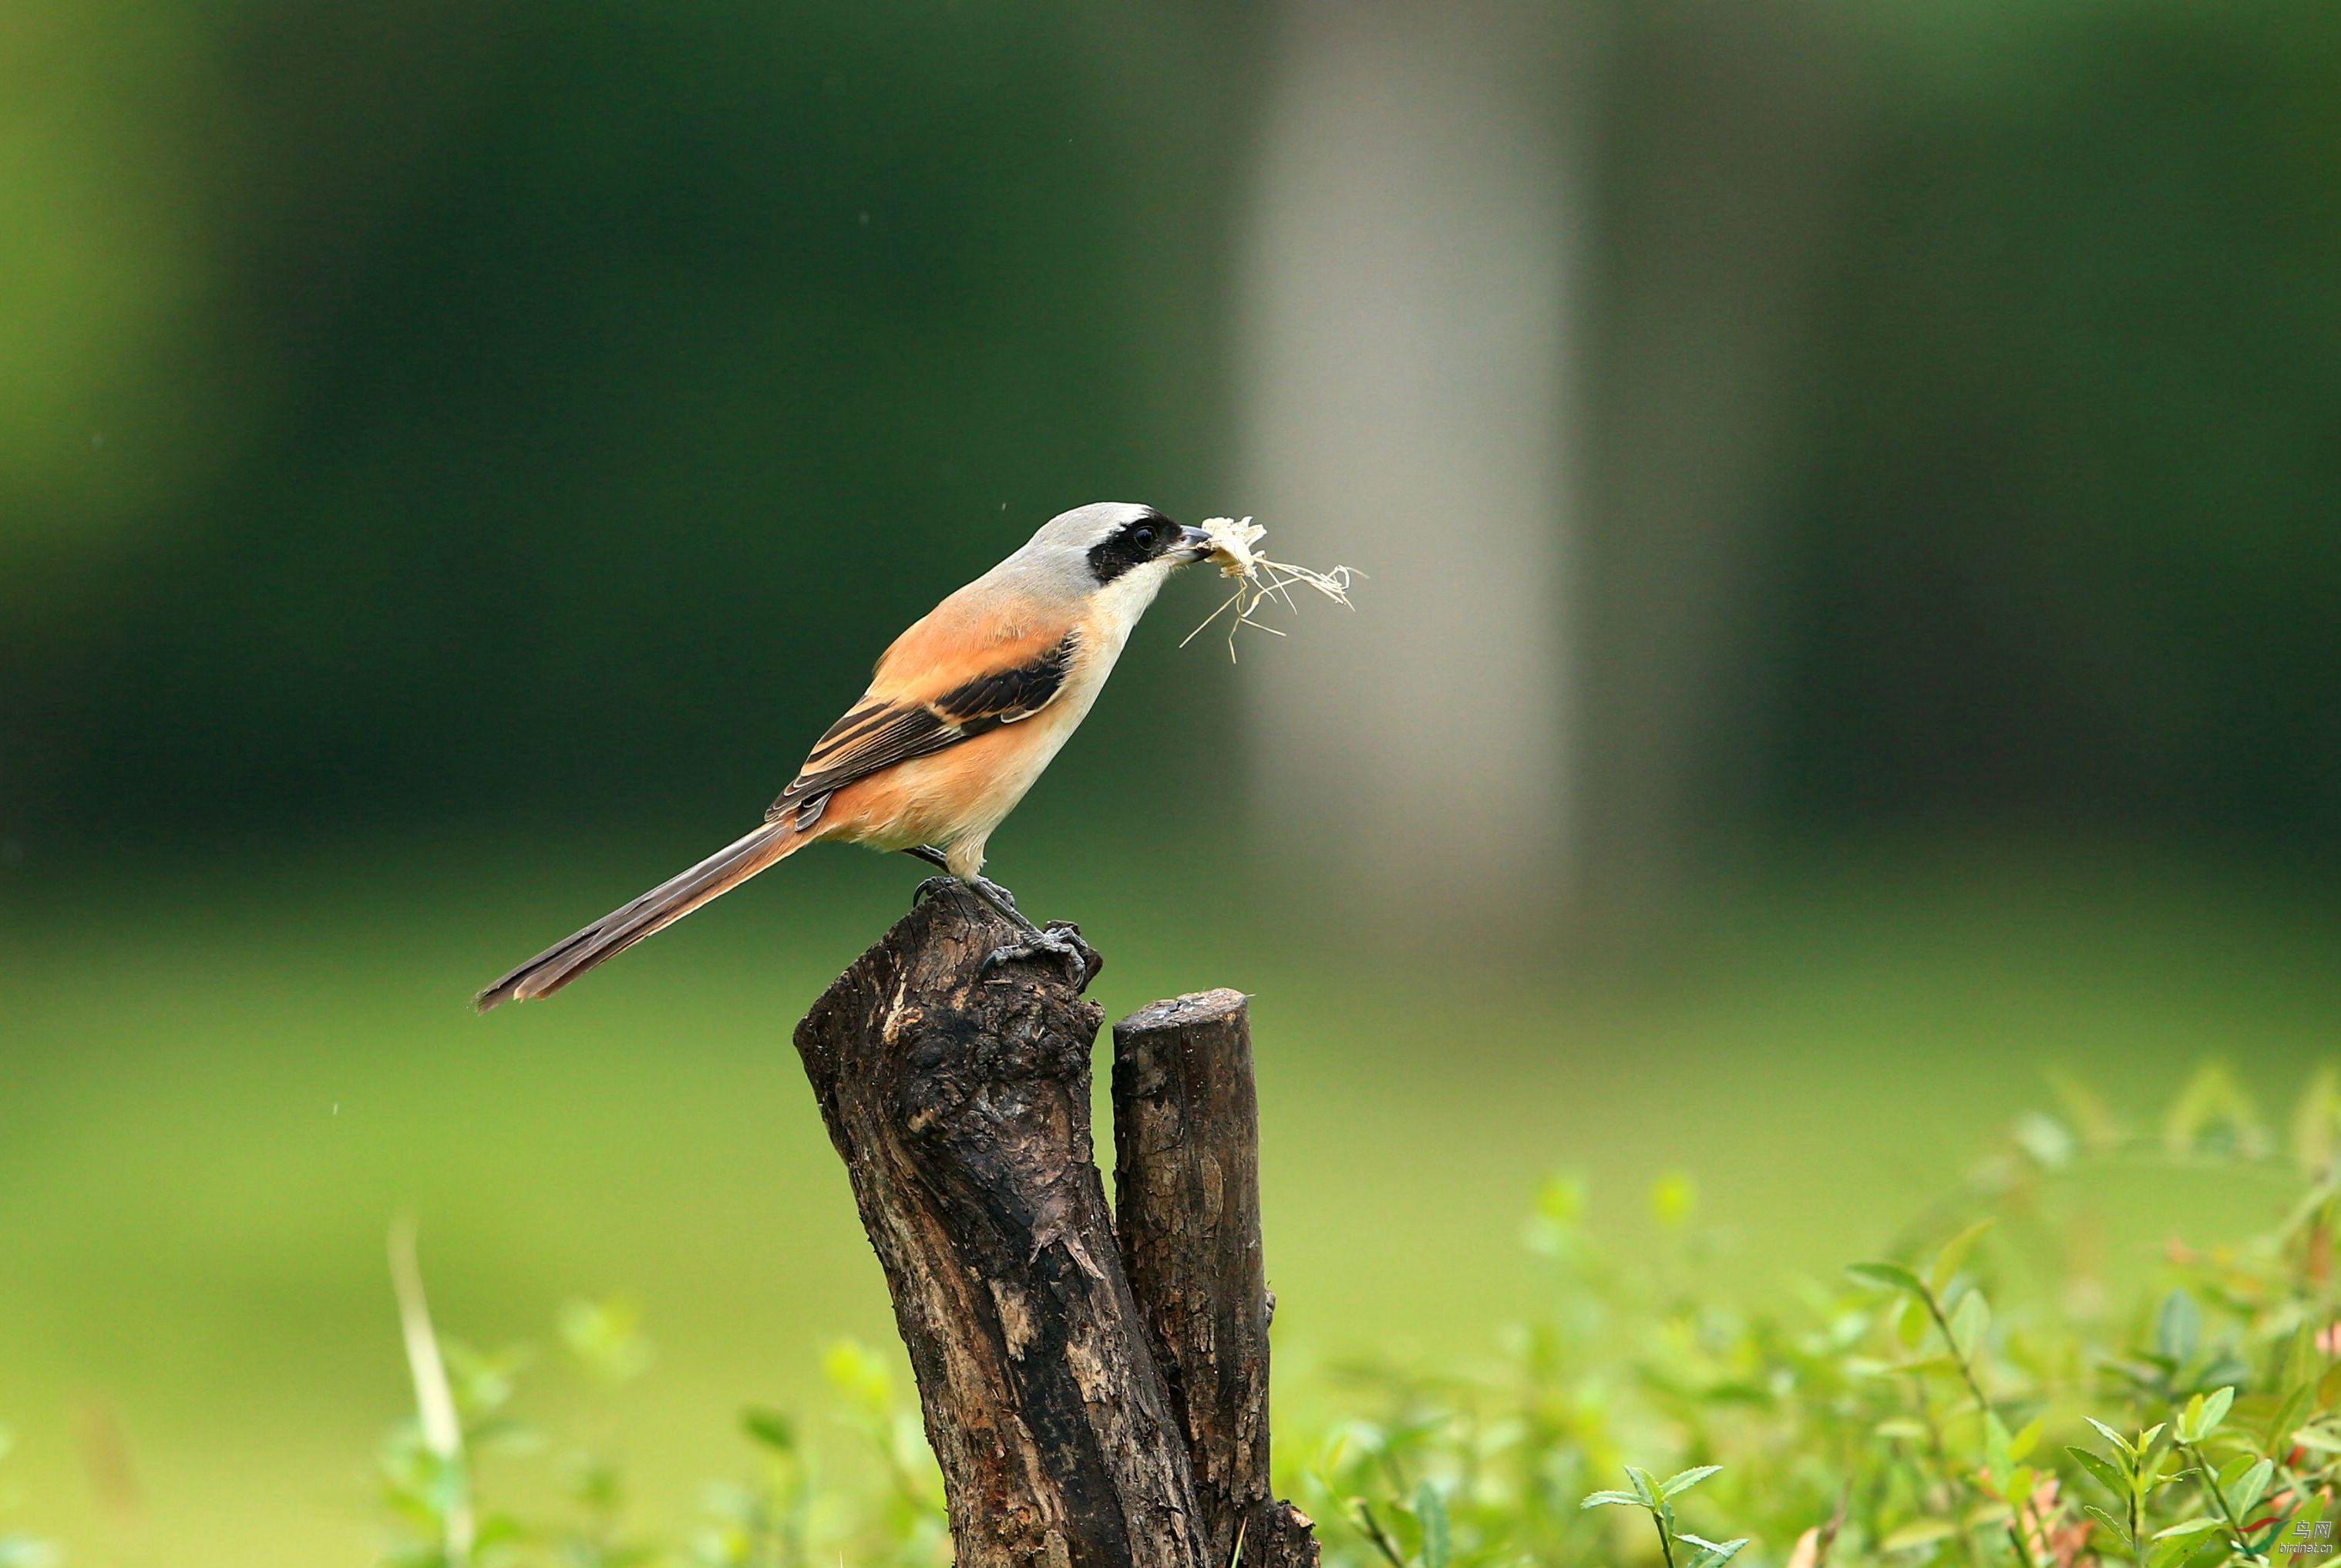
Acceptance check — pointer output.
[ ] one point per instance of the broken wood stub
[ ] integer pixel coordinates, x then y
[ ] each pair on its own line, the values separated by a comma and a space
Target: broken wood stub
959, 1102
1186, 1134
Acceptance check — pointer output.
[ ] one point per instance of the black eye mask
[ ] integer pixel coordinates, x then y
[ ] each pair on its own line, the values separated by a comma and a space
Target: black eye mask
1132, 544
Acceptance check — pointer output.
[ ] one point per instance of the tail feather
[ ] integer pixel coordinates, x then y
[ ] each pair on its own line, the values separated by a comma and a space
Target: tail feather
661, 907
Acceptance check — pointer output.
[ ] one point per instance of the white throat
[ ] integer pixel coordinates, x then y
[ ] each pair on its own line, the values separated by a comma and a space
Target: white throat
1121, 602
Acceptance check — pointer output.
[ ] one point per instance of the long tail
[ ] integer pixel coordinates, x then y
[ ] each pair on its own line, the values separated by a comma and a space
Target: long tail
661, 907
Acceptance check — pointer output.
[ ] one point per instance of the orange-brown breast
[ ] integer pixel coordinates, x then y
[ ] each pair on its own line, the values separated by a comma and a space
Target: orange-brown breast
936, 799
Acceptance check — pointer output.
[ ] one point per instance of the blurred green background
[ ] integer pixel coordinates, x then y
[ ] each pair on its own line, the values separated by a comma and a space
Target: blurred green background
453, 459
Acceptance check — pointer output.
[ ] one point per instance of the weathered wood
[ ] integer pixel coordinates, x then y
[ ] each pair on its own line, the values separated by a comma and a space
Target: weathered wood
1279, 1535
960, 1105
1186, 1126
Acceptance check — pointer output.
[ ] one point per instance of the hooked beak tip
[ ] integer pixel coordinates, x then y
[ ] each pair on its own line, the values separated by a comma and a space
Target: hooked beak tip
1195, 544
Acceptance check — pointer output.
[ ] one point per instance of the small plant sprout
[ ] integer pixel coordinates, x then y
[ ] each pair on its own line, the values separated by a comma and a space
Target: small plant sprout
1259, 579
2234, 1489
1656, 1498
1889, 1419
431, 1481
2137, 1469
2004, 1478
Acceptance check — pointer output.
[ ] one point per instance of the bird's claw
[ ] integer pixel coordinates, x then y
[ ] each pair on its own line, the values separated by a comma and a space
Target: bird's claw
1060, 939
929, 888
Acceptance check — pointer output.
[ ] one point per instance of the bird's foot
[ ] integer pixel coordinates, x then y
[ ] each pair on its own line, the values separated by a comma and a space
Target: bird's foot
1000, 899
1060, 940
983, 887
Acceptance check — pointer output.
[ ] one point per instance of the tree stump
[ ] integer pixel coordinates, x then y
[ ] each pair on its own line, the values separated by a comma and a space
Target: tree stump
1186, 1189
959, 1103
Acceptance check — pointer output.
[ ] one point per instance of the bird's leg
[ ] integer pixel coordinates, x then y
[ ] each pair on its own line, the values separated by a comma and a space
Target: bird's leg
1002, 900
1060, 939
983, 887
934, 884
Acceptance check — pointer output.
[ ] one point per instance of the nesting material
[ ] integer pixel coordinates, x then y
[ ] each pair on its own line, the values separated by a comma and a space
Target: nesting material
1260, 580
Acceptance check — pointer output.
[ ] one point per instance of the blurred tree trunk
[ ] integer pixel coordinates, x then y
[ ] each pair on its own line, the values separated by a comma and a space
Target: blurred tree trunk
1540, 405
1408, 368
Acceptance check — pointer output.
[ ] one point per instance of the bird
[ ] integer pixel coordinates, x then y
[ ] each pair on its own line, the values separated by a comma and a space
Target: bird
963, 713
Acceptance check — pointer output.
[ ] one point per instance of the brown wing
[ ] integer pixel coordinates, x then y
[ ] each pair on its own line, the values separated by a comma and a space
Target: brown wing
882, 731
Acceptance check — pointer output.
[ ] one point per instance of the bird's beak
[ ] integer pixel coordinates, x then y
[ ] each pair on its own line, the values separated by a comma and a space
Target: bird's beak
1193, 544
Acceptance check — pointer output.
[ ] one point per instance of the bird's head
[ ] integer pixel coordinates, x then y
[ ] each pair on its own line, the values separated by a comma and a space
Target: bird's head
1117, 552
1114, 538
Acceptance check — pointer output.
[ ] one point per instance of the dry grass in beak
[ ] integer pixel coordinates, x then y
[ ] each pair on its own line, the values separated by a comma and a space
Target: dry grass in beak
1259, 579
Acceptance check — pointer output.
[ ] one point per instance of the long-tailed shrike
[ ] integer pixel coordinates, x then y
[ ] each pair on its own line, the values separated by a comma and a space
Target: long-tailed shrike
964, 712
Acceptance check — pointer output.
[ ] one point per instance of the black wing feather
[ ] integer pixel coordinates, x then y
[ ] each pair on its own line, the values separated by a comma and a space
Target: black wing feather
878, 736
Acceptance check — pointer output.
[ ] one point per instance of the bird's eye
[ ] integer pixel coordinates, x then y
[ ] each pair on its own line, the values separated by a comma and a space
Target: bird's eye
1143, 536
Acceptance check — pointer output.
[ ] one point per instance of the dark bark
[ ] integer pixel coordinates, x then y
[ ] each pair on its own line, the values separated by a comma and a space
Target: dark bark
1186, 1134
961, 1104
1280, 1536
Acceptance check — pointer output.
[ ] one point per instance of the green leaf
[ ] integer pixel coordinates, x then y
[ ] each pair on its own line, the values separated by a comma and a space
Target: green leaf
769, 1427
1682, 1481
1984, 1515
2121, 1444
2213, 1114
1887, 1276
2020, 1446
2203, 1415
2170, 1553
2177, 1328
2286, 1414
1430, 1513
606, 1336
1611, 1499
857, 1372
1954, 1253
2178, 1542
1645, 1489
2048, 1140
2318, 1439
2102, 1470
1716, 1552
1917, 1534
2245, 1491
2120, 1531
1996, 1456
1970, 1322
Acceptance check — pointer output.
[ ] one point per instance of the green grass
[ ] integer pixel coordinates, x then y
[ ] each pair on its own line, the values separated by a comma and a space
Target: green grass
221, 1084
